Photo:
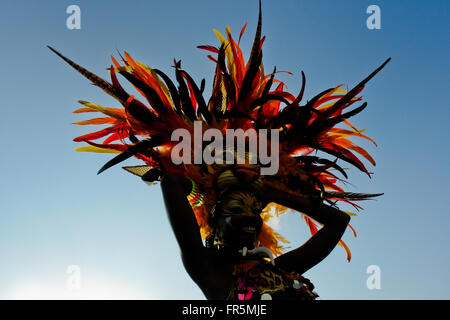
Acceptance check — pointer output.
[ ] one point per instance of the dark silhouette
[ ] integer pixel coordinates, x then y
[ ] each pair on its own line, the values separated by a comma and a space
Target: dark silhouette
211, 268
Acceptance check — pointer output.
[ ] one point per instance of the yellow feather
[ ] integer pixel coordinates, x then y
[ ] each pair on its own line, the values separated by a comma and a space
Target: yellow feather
228, 52
95, 149
96, 121
107, 111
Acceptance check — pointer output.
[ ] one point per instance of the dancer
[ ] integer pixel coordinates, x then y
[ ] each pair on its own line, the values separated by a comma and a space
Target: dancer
219, 211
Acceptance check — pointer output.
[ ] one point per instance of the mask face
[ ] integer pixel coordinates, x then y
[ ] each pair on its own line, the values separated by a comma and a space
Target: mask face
238, 220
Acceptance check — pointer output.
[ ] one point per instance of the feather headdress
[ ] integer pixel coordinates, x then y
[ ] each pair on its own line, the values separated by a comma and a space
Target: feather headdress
243, 97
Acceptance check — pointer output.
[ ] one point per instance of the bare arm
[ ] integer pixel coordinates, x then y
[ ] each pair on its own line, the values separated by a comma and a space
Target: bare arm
319, 246
182, 219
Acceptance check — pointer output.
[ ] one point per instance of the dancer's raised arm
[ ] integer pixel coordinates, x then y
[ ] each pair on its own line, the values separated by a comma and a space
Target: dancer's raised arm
181, 216
319, 246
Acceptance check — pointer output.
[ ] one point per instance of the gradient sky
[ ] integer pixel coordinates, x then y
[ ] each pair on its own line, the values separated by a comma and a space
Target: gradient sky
55, 211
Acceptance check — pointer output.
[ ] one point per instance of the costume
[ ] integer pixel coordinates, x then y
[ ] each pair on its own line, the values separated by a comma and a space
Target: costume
242, 97
260, 280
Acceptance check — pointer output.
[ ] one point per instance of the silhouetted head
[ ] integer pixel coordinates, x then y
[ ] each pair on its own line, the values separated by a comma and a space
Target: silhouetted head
236, 214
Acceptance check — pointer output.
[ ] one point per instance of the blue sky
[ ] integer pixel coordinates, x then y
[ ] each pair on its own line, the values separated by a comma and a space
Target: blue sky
55, 211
